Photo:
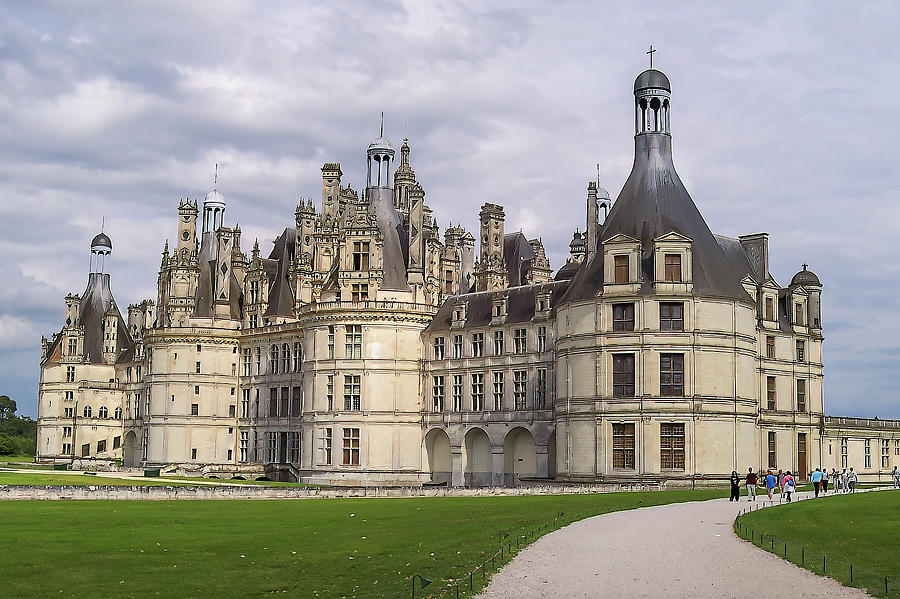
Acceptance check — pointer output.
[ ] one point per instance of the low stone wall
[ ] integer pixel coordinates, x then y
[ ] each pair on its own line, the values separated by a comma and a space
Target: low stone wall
51, 492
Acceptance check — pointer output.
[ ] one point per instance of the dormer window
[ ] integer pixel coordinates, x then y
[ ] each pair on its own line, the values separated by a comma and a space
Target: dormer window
673, 268
621, 270
798, 313
770, 308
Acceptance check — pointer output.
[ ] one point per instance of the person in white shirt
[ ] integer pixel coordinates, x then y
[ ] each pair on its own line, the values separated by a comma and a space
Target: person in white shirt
851, 480
896, 476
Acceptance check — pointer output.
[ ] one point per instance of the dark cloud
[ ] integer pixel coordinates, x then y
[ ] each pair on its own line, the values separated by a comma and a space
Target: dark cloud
781, 120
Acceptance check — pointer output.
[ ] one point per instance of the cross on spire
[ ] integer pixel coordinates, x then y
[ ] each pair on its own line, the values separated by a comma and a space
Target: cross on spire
382, 125
805, 265
216, 177
650, 52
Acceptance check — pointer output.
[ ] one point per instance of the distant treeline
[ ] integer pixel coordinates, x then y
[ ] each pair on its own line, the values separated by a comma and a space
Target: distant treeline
17, 433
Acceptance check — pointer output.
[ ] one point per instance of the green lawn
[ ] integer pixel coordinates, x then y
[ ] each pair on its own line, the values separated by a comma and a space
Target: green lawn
304, 548
63, 478
861, 529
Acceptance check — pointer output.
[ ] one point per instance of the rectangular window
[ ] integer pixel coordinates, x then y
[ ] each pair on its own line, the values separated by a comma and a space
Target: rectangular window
770, 346
229, 455
195, 409
273, 359
353, 341
254, 292
520, 388
285, 358
298, 356
67, 431
295, 402
73, 347
448, 282
671, 316
671, 445
293, 447
868, 456
770, 393
673, 268
542, 339
540, 394
623, 375
885, 454
232, 410
844, 451
117, 442
331, 342
773, 457
245, 403
70, 395
245, 371
520, 341
271, 447
896, 447
101, 446
273, 402
329, 391
477, 345
359, 292
285, 402
360, 255
621, 269
770, 309
438, 348
798, 314
623, 446
623, 317
457, 346
352, 392
70, 374
85, 450
457, 392
437, 393
671, 375
197, 368
498, 390
801, 351
498, 343
258, 360
254, 321
477, 392
70, 412
196, 389
326, 446
801, 395
351, 447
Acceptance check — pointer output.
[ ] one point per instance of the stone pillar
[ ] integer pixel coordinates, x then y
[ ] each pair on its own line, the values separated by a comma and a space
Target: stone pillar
497, 464
541, 465
457, 473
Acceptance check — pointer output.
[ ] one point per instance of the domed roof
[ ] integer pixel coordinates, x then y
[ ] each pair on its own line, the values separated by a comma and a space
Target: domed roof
652, 78
382, 143
214, 197
806, 277
602, 194
101, 240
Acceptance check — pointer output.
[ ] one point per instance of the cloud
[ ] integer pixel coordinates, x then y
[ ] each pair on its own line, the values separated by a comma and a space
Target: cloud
780, 120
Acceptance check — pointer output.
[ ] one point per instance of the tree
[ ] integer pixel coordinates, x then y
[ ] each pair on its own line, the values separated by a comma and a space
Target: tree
8, 407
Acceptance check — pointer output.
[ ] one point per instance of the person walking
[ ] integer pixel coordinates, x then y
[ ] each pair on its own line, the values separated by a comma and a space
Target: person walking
787, 485
816, 480
896, 476
851, 480
770, 484
844, 480
824, 480
780, 477
751, 484
735, 486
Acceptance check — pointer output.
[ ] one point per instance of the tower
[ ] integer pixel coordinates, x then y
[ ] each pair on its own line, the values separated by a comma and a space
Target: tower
404, 180
651, 103
331, 190
101, 248
416, 268
187, 228
593, 220
491, 273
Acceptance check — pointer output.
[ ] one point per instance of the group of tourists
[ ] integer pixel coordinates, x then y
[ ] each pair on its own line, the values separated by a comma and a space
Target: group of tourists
843, 482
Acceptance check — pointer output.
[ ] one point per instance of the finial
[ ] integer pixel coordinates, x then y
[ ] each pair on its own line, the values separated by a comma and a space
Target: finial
598, 175
216, 177
805, 265
102, 223
650, 52
382, 124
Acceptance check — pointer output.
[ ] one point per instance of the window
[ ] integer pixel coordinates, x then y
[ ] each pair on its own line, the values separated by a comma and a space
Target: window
671, 375
85, 450
298, 356
326, 446
254, 321
329, 391
232, 410
673, 268
438, 348
448, 282
540, 394
770, 308
199, 348
118, 413
801, 351
770, 346
353, 341
70, 395
671, 445
352, 392
885, 454
520, 388
285, 402
67, 431
69, 412
195, 409
623, 375
196, 389
271, 447
87, 412
103, 412
671, 316
229, 455
457, 346
331, 342
498, 343
477, 345
145, 444
437, 393
773, 458
285, 358
245, 371
844, 452
273, 402
245, 403
868, 448
293, 447
520, 341
137, 374
117, 442
498, 390
801, 395
623, 446
542, 339
621, 269
73, 347
197, 368
351, 447
295, 402
798, 314
896, 447
477, 392
360, 255
770, 393
623, 317
359, 292
254, 292
67, 449
258, 360
70, 374
457, 392
244, 444
101, 446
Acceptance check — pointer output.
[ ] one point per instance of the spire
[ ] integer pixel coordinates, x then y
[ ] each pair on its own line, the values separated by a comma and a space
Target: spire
381, 131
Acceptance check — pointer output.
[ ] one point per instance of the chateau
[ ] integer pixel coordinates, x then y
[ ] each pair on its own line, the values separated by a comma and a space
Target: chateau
365, 347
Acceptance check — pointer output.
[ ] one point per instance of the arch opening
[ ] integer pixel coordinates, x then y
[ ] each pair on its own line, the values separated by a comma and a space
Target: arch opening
437, 455
519, 456
478, 459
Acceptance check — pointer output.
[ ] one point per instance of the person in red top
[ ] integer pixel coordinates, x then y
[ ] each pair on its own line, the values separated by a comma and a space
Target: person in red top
787, 485
751, 485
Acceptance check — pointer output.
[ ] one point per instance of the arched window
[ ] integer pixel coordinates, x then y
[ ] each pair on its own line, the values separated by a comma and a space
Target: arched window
118, 413
87, 411
298, 356
274, 360
103, 412
285, 358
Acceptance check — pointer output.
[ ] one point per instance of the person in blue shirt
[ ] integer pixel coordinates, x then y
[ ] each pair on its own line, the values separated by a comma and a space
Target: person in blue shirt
816, 479
770, 484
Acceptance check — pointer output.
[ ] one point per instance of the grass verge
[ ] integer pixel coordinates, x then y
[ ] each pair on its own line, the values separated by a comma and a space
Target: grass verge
829, 536
306, 548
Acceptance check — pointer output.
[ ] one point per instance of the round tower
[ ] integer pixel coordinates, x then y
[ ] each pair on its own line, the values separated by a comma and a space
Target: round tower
101, 248
652, 93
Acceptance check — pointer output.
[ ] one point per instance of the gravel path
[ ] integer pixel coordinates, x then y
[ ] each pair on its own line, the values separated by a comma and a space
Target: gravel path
678, 550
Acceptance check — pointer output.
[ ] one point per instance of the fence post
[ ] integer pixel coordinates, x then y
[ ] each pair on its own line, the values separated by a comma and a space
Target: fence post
851, 572
823, 563
885, 585
803, 556
785, 548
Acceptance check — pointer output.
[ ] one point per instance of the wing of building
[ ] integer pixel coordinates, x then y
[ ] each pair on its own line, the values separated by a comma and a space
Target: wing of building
365, 348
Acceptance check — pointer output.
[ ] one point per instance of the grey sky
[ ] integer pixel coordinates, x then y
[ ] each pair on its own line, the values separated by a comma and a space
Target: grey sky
781, 122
